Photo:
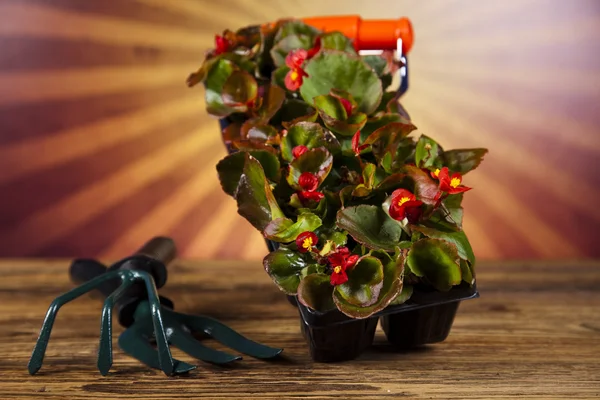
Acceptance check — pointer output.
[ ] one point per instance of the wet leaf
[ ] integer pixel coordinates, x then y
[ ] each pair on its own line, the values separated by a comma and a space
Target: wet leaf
254, 196
463, 160
285, 267
365, 280
437, 262
332, 69
390, 287
317, 161
315, 291
231, 168
285, 230
371, 226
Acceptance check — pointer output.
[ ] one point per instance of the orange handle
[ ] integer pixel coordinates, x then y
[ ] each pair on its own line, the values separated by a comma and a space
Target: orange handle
375, 34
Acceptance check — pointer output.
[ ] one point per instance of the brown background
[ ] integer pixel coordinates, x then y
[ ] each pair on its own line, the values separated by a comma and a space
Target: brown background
102, 145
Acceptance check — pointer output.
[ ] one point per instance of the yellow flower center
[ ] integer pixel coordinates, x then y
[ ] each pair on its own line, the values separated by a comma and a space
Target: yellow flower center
307, 243
403, 200
455, 182
294, 75
436, 173
337, 269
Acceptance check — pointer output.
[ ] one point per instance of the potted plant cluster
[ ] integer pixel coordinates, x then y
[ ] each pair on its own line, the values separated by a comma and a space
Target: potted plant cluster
363, 217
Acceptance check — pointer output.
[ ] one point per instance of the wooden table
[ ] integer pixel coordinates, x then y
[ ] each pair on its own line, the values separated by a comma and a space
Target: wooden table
534, 333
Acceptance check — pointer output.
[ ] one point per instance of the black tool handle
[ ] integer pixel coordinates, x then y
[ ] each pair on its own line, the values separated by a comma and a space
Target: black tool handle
153, 258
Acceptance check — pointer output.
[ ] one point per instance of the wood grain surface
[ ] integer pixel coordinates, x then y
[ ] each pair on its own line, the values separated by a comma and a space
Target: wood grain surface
534, 333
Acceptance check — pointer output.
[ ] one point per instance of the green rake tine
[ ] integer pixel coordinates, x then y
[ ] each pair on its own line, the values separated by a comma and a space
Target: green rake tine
227, 336
105, 358
37, 357
133, 342
186, 342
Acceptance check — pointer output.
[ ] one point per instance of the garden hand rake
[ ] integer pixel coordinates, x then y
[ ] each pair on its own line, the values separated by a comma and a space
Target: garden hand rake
131, 284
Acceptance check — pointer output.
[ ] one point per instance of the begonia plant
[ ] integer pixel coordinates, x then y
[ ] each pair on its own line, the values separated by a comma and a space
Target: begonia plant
326, 163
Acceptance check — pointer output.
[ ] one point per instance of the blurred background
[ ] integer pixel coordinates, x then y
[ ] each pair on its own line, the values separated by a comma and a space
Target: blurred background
102, 145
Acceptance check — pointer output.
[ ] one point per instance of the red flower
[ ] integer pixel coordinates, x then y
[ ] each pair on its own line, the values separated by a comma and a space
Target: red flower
299, 150
405, 205
340, 262
356, 147
306, 196
315, 49
294, 77
435, 174
347, 106
296, 58
306, 241
451, 184
221, 44
308, 181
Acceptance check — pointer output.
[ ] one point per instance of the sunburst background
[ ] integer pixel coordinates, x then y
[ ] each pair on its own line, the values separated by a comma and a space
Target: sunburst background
102, 145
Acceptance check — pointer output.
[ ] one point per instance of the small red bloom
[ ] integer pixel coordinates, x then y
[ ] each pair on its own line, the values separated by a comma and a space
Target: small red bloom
294, 78
308, 181
306, 196
405, 205
221, 44
340, 262
435, 174
347, 106
299, 150
315, 49
356, 146
296, 58
306, 241
451, 184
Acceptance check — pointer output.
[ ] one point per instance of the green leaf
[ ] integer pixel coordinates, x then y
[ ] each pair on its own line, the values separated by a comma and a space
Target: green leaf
317, 161
272, 100
368, 175
309, 134
386, 138
390, 287
427, 152
468, 274
371, 226
365, 280
378, 64
285, 266
334, 115
425, 188
463, 160
379, 121
292, 42
239, 89
200, 75
278, 76
295, 27
254, 196
332, 69
284, 230
294, 111
437, 262
215, 79
255, 130
231, 168
315, 291
452, 210
403, 296
337, 41
445, 231
330, 106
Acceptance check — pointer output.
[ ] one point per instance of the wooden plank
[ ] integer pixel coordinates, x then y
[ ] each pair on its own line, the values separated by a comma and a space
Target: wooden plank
534, 333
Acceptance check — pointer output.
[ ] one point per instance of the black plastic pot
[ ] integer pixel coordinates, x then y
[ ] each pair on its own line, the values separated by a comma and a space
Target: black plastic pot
424, 319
